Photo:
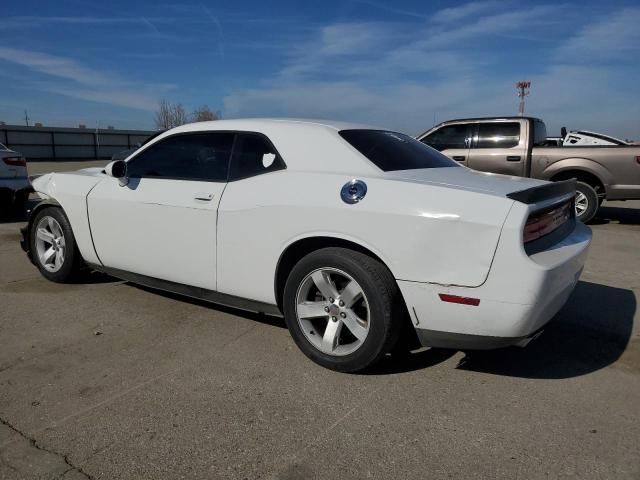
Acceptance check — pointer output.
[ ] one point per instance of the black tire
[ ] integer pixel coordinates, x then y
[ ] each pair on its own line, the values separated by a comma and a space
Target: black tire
19, 202
383, 297
72, 261
591, 199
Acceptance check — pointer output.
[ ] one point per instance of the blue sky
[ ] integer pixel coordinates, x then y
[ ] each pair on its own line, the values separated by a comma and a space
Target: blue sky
394, 64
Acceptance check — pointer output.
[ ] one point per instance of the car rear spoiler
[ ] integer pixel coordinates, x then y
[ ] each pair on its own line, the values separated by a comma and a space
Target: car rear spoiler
544, 192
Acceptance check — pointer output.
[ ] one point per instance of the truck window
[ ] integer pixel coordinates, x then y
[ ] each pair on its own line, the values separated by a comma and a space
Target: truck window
498, 135
450, 136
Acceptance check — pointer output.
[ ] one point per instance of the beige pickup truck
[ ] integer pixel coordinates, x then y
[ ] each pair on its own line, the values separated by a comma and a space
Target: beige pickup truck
515, 146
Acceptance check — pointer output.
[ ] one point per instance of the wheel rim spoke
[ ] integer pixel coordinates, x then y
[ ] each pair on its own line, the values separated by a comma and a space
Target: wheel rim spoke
312, 309
48, 254
331, 336
353, 323
351, 294
45, 236
324, 284
59, 259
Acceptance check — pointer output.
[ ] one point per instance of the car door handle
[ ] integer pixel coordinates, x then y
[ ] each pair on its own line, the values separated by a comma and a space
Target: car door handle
513, 158
207, 197
459, 158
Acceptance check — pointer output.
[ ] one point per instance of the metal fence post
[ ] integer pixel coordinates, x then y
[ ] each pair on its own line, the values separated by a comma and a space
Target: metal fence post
53, 145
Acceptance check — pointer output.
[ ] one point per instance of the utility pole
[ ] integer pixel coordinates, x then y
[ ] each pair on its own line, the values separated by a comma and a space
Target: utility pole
26, 117
523, 90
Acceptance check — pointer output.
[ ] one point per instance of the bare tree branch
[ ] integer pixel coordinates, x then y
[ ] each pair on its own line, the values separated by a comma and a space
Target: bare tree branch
204, 114
170, 115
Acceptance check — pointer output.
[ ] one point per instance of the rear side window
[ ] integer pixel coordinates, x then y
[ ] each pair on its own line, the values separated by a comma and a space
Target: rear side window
498, 135
391, 151
197, 156
253, 155
450, 136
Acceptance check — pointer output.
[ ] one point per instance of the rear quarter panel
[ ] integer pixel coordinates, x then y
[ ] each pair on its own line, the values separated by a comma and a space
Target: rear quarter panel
614, 166
422, 233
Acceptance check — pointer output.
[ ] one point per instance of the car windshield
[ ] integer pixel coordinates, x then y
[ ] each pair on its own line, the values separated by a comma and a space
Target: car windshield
391, 151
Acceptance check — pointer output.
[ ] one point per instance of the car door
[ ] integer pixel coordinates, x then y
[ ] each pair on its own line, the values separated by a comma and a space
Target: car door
162, 223
499, 147
454, 140
246, 218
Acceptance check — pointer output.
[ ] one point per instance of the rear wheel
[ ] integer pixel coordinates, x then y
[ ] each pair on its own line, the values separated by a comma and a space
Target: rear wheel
53, 246
342, 308
587, 202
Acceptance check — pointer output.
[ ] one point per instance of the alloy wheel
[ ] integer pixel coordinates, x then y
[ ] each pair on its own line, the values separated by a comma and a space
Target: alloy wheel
50, 244
332, 311
582, 203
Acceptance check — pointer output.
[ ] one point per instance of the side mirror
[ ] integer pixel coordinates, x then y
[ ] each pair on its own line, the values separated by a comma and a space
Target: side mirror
117, 169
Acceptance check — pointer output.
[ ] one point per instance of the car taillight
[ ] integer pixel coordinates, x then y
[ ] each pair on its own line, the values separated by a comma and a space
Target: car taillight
638, 159
15, 161
541, 224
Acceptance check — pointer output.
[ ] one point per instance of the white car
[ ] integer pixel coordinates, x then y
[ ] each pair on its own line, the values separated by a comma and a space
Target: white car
14, 182
353, 233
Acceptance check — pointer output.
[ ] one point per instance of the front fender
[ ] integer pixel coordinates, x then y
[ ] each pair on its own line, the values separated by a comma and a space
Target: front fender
69, 191
25, 241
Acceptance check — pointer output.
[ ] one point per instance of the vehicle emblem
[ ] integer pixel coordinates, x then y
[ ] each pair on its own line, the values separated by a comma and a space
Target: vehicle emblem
353, 191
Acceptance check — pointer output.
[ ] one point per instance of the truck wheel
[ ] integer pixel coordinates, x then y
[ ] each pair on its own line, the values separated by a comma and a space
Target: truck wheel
587, 202
342, 308
53, 246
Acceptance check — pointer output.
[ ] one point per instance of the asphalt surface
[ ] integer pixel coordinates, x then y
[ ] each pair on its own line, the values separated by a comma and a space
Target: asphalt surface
103, 379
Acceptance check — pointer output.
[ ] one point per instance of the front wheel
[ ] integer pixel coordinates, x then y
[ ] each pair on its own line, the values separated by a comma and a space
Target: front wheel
342, 308
53, 246
587, 202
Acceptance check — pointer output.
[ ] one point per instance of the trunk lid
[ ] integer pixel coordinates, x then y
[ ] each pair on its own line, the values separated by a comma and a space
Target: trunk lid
466, 179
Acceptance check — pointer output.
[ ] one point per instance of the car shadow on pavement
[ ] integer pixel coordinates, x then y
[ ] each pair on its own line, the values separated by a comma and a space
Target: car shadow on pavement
591, 332
622, 215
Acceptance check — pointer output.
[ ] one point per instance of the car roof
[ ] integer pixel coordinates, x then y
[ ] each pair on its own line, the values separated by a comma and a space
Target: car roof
258, 124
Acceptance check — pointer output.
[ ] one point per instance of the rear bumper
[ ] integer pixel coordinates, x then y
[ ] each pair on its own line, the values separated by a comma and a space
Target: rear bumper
521, 294
462, 341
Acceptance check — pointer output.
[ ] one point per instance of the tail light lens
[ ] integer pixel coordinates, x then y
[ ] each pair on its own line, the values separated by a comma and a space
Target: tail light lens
15, 161
541, 224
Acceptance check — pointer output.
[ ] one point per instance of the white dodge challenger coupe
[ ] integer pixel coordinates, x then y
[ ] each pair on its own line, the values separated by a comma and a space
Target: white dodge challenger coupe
352, 233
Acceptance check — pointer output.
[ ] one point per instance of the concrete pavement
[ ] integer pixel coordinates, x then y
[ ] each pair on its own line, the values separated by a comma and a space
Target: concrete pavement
104, 379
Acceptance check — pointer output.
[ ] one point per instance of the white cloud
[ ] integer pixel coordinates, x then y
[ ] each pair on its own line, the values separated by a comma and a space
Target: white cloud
614, 38
70, 78
402, 75
455, 14
53, 65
